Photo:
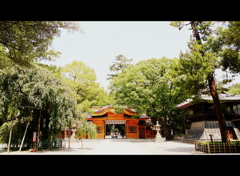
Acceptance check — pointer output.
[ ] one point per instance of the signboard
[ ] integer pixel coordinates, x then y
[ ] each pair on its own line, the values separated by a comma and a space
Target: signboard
34, 136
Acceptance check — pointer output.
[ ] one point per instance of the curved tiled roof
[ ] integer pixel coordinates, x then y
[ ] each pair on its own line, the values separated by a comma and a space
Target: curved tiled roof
108, 109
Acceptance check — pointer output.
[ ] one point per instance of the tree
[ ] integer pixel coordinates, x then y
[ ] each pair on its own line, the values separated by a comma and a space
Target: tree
121, 63
202, 60
87, 129
38, 90
148, 88
81, 79
23, 42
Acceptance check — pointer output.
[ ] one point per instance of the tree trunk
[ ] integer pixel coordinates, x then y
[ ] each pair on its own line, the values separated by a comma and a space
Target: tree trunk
39, 121
164, 127
219, 113
24, 135
195, 32
49, 139
64, 137
69, 135
10, 135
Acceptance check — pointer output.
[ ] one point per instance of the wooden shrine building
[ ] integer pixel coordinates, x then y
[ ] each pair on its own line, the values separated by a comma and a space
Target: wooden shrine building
112, 125
201, 120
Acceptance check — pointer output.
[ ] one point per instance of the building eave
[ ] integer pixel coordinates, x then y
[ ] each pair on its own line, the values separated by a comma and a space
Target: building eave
204, 98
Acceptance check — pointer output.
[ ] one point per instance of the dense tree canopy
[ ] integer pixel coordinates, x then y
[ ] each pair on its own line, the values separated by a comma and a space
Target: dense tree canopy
23, 42
82, 80
38, 90
194, 68
228, 41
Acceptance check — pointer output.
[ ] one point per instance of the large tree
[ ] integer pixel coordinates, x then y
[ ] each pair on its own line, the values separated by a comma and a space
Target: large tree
23, 42
148, 87
38, 90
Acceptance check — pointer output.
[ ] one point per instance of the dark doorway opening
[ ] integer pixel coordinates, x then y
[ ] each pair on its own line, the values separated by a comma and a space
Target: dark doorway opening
115, 131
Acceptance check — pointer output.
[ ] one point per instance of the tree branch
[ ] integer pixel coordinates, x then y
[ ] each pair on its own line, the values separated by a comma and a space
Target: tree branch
21, 90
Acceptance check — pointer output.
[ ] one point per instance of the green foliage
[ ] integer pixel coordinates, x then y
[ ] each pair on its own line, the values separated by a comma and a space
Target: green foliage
235, 89
228, 40
118, 109
81, 80
5, 61
121, 63
17, 133
86, 128
194, 68
4, 133
24, 42
102, 98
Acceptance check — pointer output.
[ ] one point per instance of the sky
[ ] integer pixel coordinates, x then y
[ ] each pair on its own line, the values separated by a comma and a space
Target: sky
102, 41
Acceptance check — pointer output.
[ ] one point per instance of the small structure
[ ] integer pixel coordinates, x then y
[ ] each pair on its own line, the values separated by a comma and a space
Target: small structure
201, 121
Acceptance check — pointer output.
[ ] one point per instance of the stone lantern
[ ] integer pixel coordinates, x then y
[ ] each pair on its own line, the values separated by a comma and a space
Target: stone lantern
158, 137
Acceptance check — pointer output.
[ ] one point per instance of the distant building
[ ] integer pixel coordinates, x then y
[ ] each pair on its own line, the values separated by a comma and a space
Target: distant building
202, 120
126, 126
112, 125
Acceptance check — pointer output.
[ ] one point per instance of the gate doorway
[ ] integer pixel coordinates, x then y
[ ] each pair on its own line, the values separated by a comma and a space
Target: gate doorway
115, 131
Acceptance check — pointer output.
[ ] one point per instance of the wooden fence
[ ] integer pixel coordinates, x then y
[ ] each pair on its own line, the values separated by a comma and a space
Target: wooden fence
219, 147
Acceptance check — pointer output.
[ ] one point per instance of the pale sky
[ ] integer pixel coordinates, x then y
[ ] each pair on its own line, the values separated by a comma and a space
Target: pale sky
103, 41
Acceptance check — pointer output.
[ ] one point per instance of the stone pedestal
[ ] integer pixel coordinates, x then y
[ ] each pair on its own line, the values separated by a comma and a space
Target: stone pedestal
158, 137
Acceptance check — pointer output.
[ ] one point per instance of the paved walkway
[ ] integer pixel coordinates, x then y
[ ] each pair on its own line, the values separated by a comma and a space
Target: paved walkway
111, 147
122, 147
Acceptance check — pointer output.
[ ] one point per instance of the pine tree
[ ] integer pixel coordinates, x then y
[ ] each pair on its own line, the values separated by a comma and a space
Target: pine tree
121, 63
199, 65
